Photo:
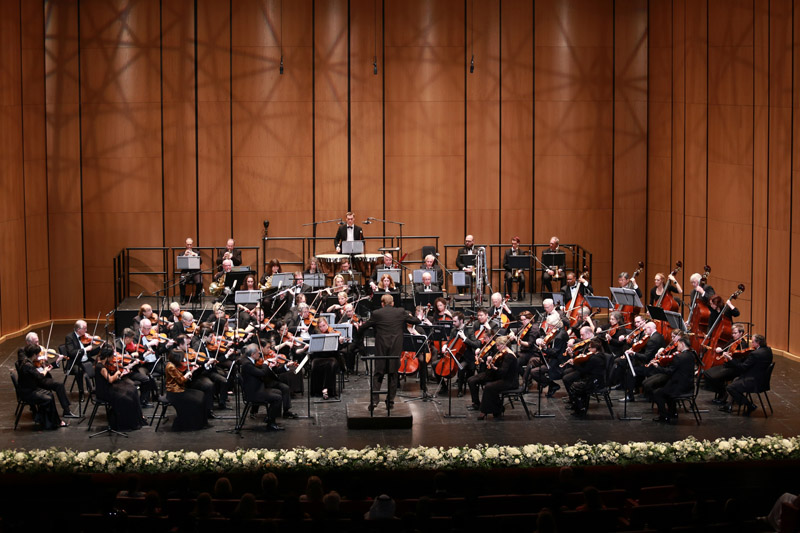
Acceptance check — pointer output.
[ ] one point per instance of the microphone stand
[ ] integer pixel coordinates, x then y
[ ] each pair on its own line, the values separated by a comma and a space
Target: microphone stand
401, 224
314, 230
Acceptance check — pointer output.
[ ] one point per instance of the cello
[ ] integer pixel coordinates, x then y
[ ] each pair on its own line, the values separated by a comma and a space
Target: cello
719, 331
446, 367
699, 313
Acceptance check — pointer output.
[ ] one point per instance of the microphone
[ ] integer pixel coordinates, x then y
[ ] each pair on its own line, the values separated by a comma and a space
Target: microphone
374, 66
341, 222
233, 285
281, 70
368, 221
111, 313
472, 64
140, 295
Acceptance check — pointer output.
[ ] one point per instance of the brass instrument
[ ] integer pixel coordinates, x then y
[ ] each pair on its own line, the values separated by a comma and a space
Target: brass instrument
216, 287
266, 285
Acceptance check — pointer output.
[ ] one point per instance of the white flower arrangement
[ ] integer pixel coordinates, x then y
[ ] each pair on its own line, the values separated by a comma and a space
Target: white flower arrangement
383, 458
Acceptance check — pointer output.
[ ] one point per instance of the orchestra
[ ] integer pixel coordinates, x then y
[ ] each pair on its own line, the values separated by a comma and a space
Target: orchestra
191, 357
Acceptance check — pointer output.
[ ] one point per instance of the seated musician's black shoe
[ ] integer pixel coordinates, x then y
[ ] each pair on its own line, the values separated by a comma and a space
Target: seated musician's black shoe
460, 393
371, 407
718, 401
482, 416
579, 413
389, 404
69, 414
552, 389
661, 419
146, 405
627, 398
223, 407
272, 426
727, 408
748, 409
212, 415
618, 386
289, 414
473, 407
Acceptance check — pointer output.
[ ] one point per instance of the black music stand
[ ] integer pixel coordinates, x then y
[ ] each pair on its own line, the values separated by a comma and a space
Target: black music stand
626, 297
321, 342
625, 416
599, 302
376, 299
427, 298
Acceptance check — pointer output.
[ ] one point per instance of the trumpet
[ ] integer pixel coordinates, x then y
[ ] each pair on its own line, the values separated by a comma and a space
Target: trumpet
218, 286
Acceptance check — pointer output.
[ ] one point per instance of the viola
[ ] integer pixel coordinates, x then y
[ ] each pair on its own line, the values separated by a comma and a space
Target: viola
633, 334
665, 356
114, 364
155, 336
48, 355
485, 350
550, 335
638, 345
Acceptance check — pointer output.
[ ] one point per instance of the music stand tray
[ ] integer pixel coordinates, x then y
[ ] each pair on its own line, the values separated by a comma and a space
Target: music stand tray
460, 279
600, 302
346, 330
247, 297
394, 273
675, 320
352, 247
468, 259
323, 342
558, 298
187, 262
554, 260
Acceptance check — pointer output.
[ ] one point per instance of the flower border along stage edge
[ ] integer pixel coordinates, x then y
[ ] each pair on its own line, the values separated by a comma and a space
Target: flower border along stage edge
483, 456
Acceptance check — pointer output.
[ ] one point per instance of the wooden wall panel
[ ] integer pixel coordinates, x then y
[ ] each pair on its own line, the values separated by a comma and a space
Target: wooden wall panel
730, 146
484, 182
63, 159
573, 126
794, 301
696, 140
630, 138
779, 221
331, 112
13, 301
516, 125
178, 88
272, 119
758, 285
678, 186
424, 143
366, 112
120, 140
35, 161
660, 75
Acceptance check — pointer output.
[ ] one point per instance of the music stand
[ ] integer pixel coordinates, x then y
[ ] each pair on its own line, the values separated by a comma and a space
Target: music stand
315, 280
352, 247
600, 302
187, 262
427, 298
417, 275
554, 260
237, 276
322, 342
394, 273
282, 279
376, 299
352, 278
558, 298
468, 259
330, 318
346, 331
626, 297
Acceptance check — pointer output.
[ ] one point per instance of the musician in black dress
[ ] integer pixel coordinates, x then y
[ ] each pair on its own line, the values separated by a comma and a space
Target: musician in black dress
500, 375
510, 274
699, 290
190, 404
753, 373
615, 334
681, 373
660, 285
126, 410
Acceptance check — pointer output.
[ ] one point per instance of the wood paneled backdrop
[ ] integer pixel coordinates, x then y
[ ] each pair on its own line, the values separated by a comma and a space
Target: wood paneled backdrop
656, 130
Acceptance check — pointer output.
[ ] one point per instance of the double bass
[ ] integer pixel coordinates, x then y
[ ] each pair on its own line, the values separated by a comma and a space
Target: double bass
630, 311
667, 302
720, 332
577, 303
699, 314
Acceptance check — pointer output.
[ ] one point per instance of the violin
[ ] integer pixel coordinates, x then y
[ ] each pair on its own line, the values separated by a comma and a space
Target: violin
311, 319
88, 340
638, 345
486, 348
633, 334
665, 356
155, 336
736, 353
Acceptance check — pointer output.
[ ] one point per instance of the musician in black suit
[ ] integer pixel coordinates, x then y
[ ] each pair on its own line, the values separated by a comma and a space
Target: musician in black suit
681, 373
554, 272
718, 376
254, 372
700, 291
575, 285
430, 264
588, 377
754, 371
85, 354
191, 277
389, 323
229, 252
553, 354
509, 275
348, 232
427, 284
655, 341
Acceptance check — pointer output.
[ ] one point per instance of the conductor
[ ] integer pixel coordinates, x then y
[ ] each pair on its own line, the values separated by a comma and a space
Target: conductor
389, 323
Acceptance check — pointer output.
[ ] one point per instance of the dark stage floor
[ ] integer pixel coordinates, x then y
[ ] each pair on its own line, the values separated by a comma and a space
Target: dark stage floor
328, 425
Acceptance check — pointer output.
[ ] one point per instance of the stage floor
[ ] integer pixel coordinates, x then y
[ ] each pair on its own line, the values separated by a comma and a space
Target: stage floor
328, 425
